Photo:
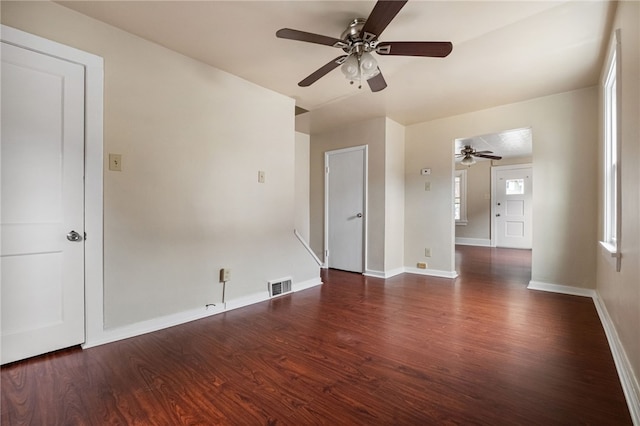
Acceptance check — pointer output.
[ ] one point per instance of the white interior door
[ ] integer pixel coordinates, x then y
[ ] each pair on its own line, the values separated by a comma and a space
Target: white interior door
345, 208
42, 167
513, 206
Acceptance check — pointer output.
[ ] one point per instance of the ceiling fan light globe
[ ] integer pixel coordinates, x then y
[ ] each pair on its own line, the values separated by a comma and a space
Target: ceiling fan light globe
468, 161
368, 64
350, 68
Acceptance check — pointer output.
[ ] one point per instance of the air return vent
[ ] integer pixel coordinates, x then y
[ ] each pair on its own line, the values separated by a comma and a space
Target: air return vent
278, 287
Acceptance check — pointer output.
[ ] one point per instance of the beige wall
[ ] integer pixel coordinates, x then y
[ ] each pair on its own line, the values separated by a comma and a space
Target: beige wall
394, 197
429, 214
302, 184
385, 199
564, 130
620, 291
371, 133
478, 205
187, 202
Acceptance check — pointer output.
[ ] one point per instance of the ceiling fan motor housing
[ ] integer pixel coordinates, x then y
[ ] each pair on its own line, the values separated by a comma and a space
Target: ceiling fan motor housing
356, 42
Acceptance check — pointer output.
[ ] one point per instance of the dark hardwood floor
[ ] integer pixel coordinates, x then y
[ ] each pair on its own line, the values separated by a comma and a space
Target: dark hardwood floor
410, 350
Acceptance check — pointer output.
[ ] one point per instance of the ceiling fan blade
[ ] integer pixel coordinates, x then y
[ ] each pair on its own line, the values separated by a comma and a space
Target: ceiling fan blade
322, 71
377, 82
382, 14
484, 152
290, 34
433, 49
491, 157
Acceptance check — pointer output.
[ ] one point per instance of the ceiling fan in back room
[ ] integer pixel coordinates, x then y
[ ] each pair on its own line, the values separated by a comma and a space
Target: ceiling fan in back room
359, 40
468, 152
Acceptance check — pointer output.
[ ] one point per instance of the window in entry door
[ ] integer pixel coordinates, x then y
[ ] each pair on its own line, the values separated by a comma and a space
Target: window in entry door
515, 186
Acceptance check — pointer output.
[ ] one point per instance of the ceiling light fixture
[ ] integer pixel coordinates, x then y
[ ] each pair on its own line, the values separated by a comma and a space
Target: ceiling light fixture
360, 66
468, 160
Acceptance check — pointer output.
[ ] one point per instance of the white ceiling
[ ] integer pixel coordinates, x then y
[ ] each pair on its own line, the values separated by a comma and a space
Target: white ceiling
503, 51
506, 144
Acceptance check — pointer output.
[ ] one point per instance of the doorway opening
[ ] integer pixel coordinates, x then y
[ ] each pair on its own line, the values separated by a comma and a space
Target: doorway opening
479, 217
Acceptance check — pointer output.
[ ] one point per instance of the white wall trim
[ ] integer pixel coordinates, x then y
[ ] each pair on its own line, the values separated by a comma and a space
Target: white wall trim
160, 323
629, 382
155, 324
562, 289
241, 302
93, 179
431, 272
481, 242
307, 284
308, 247
384, 274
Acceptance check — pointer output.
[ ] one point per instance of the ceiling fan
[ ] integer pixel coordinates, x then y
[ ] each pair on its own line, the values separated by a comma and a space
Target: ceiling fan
468, 152
359, 40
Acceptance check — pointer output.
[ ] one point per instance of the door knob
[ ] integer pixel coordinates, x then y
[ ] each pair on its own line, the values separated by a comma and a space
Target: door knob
359, 215
498, 215
73, 236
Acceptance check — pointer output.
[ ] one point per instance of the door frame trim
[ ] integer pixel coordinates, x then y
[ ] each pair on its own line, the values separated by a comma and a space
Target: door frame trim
494, 172
365, 201
93, 167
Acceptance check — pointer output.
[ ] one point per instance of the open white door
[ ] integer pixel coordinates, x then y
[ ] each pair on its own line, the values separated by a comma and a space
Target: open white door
345, 208
42, 214
512, 209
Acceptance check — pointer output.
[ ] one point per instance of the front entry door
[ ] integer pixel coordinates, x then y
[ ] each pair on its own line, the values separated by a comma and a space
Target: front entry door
513, 206
345, 204
42, 212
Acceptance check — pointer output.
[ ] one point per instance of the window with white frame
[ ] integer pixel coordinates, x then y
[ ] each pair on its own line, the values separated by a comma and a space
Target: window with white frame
611, 165
460, 197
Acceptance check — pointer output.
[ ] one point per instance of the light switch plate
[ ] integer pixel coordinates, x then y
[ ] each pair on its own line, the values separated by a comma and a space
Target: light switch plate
115, 162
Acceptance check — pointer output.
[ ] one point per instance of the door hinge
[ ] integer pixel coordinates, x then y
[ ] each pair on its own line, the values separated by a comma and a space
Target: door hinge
85, 236
326, 170
326, 253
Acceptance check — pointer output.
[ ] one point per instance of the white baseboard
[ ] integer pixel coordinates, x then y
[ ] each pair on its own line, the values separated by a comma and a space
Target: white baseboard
384, 274
155, 324
307, 284
431, 272
160, 323
410, 270
241, 302
628, 380
481, 242
563, 289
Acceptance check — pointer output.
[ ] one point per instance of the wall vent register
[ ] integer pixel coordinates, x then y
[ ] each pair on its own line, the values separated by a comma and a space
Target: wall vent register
279, 287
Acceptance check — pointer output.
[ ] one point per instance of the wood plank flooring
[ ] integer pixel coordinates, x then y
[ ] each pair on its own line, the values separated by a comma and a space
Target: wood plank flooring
410, 350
